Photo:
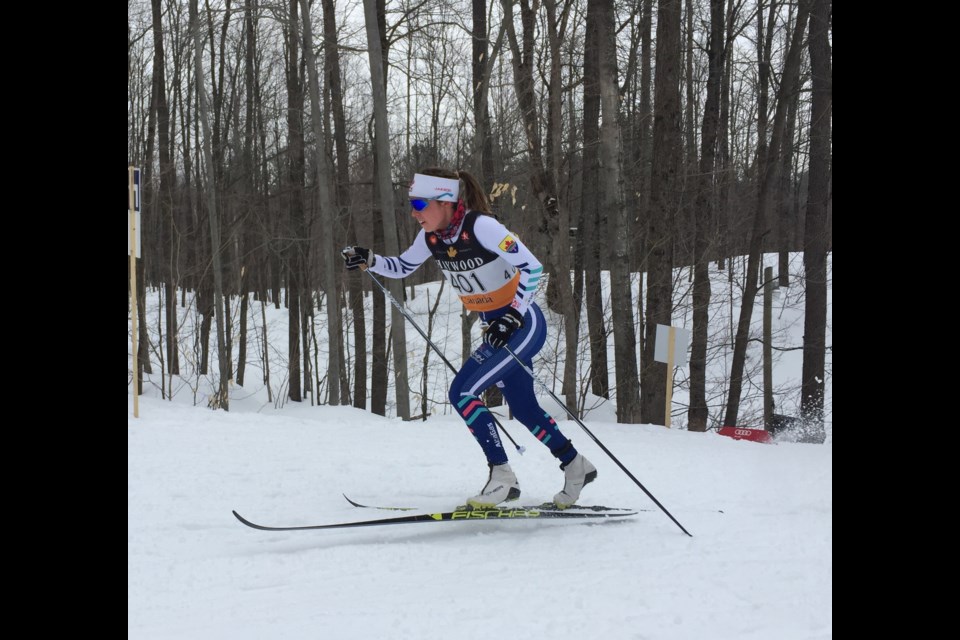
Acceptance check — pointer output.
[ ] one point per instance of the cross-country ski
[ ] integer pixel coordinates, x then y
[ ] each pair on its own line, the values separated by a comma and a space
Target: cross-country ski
460, 515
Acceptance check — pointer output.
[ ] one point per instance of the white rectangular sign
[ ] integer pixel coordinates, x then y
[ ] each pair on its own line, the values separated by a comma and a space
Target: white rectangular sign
136, 209
681, 341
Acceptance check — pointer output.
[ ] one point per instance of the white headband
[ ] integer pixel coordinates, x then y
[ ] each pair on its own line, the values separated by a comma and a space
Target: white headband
434, 188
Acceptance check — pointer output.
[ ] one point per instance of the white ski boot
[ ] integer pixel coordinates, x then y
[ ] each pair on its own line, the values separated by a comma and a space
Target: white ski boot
577, 473
502, 486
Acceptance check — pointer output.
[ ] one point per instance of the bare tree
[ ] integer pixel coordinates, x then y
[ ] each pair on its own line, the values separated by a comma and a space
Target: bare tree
716, 54
247, 186
621, 298
221, 398
787, 209
385, 191
665, 189
481, 67
143, 158
297, 238
570, 305
543, 176
641, 148
724, 164
589, 231
165, 193
331, 62
324, 180
767, 163
249, 179
815, 240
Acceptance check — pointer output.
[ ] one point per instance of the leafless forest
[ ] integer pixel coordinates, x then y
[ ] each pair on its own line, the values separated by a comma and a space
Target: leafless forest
613, 136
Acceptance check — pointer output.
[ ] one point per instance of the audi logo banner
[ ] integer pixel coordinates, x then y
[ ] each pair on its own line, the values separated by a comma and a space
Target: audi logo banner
742, 433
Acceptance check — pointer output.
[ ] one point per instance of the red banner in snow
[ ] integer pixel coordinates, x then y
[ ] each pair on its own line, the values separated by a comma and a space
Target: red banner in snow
741, 433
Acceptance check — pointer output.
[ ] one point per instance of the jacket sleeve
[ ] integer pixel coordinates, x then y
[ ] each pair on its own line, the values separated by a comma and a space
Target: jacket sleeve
406, 263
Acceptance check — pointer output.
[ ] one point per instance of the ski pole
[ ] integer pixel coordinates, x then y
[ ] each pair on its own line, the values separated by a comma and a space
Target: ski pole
410, 319
594, 438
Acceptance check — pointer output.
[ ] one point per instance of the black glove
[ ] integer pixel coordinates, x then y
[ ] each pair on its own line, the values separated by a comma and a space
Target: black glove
356, 256
500, 330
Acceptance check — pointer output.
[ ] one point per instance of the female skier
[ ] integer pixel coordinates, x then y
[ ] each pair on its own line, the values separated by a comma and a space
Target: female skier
495, 275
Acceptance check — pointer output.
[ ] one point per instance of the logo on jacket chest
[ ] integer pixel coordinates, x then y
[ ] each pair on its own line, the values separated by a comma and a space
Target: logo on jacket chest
463, 261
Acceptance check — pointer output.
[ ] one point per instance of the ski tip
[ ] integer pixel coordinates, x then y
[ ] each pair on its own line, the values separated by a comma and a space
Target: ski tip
253, 525
366, 506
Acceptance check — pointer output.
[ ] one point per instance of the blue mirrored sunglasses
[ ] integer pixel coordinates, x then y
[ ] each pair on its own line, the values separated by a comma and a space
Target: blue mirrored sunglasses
419, 204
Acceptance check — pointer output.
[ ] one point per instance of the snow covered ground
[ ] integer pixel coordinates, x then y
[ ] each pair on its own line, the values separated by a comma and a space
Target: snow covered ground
759, 564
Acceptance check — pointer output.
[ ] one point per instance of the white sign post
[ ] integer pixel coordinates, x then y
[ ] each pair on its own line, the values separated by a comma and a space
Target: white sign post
133, 248
671, 347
